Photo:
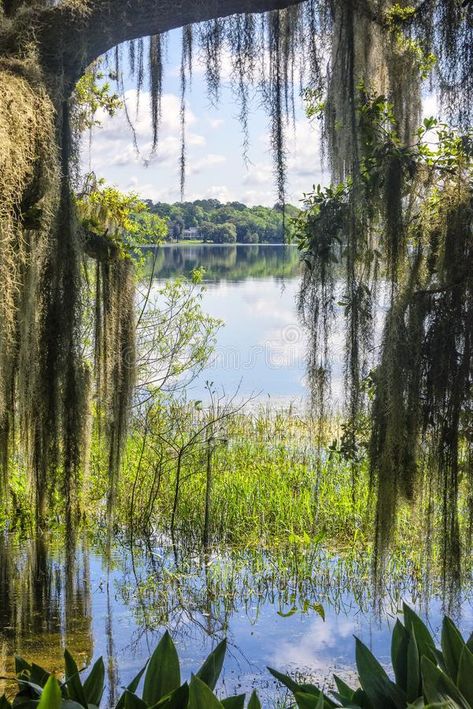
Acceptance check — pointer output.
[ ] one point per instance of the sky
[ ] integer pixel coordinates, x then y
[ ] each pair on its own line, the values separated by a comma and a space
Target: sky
215, 163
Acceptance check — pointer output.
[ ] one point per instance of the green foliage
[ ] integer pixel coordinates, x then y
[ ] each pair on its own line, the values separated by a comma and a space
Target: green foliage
424, 675
226, 223
121, 219
401, 221
162, 688
93, 93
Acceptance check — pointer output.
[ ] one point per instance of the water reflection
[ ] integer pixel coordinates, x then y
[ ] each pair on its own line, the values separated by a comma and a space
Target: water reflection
44, 601
295, 608
236, 262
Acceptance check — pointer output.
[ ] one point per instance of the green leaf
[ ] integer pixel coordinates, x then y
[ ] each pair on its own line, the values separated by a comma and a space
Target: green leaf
131, 701
452, 647
237, 702
414, 681
38, 675
300, 688
94, 684
4, 703
438, 687
201, 696
399, 645
425, 644
132, 687
254, 702
21, 665
343, 689
381, 692
309, 701
175, 700
73, 681
212, 667
163, 674
51, 697
285, 680
465, 675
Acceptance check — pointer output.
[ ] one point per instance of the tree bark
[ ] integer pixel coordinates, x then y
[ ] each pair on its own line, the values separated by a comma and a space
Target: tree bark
74, 39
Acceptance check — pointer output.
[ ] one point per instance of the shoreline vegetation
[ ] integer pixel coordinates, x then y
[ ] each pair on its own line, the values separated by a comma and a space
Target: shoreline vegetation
215, 222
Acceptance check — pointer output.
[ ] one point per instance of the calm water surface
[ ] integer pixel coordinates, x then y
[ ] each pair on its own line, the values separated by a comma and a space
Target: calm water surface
253, 289
118, 606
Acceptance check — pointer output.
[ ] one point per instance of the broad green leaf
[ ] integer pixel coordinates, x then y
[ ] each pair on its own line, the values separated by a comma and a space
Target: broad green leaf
237, 702
343, 689
381, 692
465, 674
133, 702
175, 700
438, 687
425, 643
38, 675
452, 647
414, 682
51, 697
21, 665
301, 688
94, 684
132, 687
201, 696
73, 681
309, 701
212, 667
254, 702
285, 680
163, 674
399, 644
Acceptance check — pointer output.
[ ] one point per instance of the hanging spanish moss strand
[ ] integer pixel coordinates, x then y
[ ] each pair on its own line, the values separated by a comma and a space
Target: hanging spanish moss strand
155, 84
241, 35
122, 330
211, 40
140, 71
132, 56
276, 102
188, 48
186, 66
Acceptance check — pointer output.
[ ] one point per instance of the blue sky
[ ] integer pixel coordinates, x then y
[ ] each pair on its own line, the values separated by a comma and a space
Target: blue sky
215, 165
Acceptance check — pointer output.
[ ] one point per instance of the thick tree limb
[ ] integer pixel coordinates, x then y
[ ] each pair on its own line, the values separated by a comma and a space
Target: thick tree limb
76, 40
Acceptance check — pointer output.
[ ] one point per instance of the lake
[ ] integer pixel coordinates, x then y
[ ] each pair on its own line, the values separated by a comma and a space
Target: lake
260, 350
295, 609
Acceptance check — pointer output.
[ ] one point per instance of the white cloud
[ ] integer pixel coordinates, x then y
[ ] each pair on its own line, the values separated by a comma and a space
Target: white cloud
210, 160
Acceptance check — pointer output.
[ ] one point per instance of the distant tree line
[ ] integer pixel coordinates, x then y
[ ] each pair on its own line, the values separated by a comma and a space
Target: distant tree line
212, 221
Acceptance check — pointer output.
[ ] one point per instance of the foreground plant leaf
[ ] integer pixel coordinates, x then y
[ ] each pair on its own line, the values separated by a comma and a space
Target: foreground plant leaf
73, 681
51, 697
95, 683
201, 696
163, 674
212, 667
381, 692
